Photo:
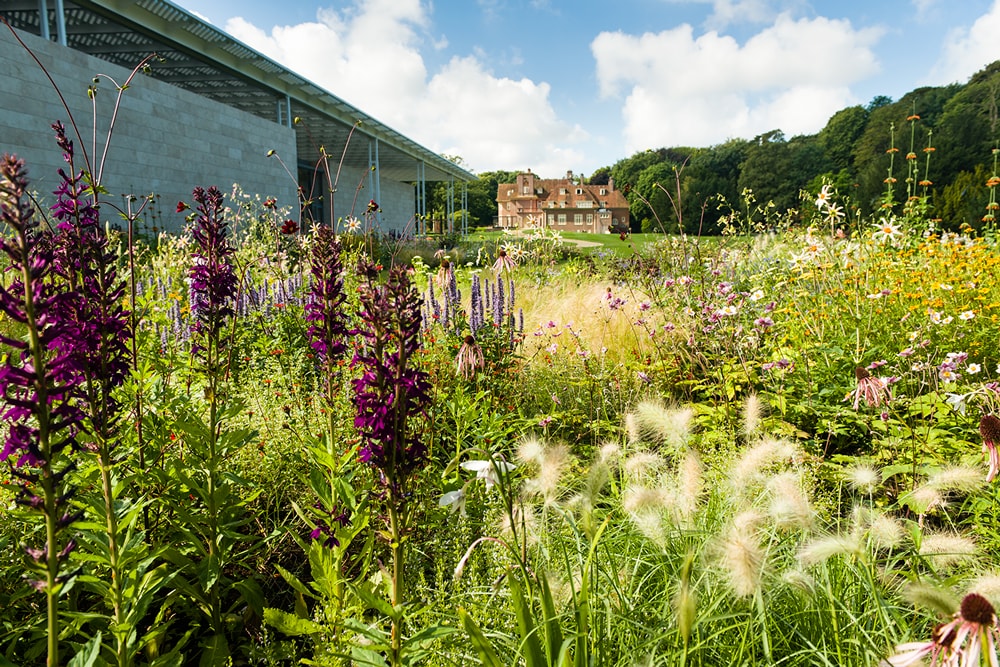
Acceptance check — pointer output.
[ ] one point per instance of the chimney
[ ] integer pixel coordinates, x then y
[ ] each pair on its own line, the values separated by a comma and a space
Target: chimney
611, 184
569, 174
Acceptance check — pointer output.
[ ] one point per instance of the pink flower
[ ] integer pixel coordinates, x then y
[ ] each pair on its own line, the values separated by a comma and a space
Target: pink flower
972, 632
989, 428
874, 391
470, 358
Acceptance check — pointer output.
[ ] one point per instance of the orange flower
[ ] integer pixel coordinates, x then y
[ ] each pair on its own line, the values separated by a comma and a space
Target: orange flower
913, 117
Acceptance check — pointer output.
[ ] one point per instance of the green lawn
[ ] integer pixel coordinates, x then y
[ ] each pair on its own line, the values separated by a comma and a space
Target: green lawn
609, 242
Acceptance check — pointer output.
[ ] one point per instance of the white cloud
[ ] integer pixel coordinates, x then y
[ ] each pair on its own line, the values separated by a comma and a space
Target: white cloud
370, 57
682, 90
966, 51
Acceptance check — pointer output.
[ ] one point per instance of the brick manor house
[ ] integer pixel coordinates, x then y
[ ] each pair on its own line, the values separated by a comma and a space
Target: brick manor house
564, 204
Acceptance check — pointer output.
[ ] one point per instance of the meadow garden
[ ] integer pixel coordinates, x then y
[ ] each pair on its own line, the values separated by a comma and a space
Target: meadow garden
269, 442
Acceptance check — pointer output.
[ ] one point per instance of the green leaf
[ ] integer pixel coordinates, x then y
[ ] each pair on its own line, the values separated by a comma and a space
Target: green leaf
483, 647
290, 624
553, 631
532, 647
366, 595
294, 582
88, 655
363, 656
215, 652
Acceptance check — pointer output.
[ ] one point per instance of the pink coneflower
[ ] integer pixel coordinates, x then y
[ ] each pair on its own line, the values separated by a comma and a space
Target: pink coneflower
989, 428
504, 262
874, 391
971, 633
470, 358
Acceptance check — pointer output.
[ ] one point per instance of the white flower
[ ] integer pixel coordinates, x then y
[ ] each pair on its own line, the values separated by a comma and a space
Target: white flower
973, 369
946, 287
454, 499
823, 198
887, 230
966, 315
958, 402
727, 311
756, 295
489, 471
352, 225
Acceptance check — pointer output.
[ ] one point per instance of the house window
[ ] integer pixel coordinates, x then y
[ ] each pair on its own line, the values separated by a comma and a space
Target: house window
562, 218
579, 191
562, 191
604, 191
551, 219
590, 218
526, 190
577, 218
510, 193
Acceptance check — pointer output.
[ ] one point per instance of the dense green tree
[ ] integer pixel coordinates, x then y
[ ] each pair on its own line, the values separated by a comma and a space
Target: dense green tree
840, 134
964, 200
651, 208
711, 176
601, 176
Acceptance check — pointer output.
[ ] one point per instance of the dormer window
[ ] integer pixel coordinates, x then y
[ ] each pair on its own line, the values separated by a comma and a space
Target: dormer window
579, 191
604, 191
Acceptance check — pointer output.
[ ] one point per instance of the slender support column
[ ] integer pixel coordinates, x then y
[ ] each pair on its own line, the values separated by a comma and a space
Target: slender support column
449, 212
43, 20
465, 209
61, 22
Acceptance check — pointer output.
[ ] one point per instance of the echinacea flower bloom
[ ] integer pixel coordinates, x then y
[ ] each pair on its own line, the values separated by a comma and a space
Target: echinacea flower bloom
989, 428
971, 633
874, 391
504, 262
470, 358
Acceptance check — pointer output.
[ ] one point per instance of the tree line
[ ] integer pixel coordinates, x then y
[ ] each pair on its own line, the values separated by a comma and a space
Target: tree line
936, 142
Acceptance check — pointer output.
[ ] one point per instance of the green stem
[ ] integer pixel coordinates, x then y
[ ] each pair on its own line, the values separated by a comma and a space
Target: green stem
396, 640
114, 558
51, 564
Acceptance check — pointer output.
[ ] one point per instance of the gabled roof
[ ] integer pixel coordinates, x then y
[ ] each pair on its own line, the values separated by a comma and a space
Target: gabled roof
203, 59
550, 192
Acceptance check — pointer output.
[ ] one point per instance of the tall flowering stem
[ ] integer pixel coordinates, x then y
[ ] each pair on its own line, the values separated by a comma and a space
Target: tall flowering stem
391, 395
40, 382
102, 353
213, 291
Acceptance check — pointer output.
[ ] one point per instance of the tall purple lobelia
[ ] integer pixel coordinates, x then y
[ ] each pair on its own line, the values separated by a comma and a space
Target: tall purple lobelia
101, 348
390, 390
390, 394
324, 308
213, 279
40, 382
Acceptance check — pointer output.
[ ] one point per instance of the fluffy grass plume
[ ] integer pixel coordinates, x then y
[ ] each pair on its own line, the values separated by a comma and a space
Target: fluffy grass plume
741, 556
653, 423
947, 549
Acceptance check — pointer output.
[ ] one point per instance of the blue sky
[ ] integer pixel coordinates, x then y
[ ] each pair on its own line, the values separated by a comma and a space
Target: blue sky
558, 85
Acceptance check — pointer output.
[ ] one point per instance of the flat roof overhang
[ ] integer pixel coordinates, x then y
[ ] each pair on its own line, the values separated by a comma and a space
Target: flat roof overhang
199, 57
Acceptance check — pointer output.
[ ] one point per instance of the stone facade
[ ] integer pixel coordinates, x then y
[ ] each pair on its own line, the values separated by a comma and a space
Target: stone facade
166, 141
